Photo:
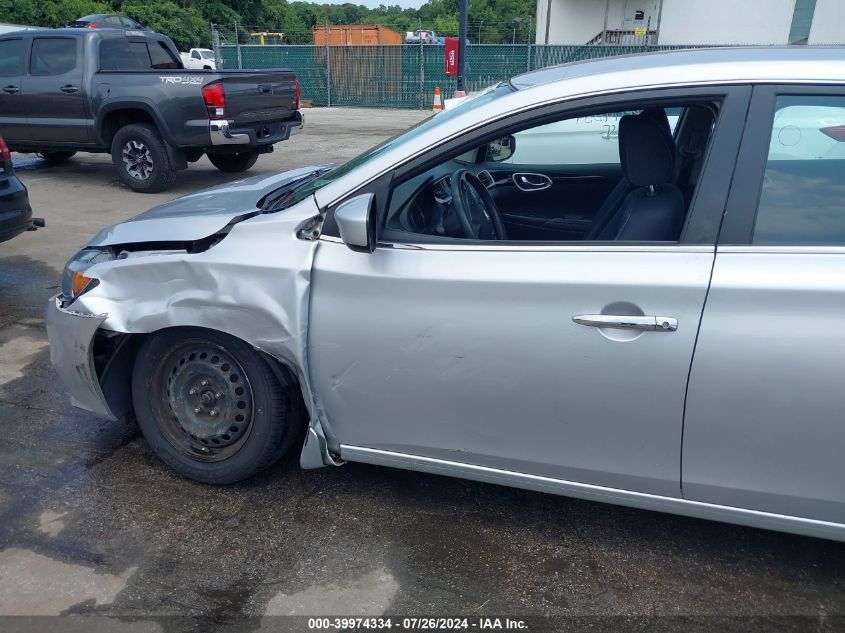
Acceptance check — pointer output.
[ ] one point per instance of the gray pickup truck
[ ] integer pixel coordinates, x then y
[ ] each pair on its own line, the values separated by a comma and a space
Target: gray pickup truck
127, 93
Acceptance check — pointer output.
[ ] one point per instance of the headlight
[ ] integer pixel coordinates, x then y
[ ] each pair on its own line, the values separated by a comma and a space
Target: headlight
74, 280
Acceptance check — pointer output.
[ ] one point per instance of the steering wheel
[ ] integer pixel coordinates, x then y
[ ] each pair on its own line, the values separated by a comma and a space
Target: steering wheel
476, 210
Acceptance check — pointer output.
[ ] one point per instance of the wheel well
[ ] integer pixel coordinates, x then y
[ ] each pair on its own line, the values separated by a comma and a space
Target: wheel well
120, 118
114, 360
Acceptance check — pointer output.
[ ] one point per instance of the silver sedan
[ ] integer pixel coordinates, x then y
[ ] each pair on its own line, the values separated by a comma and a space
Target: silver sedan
621, 280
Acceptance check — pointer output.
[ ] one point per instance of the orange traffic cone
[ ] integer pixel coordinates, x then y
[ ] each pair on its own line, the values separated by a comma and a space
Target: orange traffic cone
438, 100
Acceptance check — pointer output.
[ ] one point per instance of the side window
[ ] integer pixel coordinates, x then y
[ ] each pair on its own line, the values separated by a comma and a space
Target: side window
113, 21
161, 56
53, 56
118, 53
591, 139
11, 58
195, 54
802, 198
612, 175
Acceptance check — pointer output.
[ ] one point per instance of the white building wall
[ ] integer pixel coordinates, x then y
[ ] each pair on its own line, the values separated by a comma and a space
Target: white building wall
689, 21
726, 21
578, 21
828, 23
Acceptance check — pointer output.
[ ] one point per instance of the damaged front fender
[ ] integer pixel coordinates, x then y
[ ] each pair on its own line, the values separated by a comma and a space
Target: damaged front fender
253, 285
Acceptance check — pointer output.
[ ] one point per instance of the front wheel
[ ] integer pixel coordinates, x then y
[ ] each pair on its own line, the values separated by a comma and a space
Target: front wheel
140, 158
234, 163
211, 407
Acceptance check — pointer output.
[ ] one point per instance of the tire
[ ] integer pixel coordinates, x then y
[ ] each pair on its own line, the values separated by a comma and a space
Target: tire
181, 375
234, 163
140, 158
56, 157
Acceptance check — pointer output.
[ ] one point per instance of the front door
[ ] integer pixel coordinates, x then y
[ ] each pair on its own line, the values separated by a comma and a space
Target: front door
52, 93
499, 353
765, 426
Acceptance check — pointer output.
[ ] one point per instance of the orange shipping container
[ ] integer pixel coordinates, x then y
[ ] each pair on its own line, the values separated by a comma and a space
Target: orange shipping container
355, 35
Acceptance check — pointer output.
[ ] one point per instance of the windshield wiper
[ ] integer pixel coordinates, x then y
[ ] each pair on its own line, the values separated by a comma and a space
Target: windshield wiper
272, 200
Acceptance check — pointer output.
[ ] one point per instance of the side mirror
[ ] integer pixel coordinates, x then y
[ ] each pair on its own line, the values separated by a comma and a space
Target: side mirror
501, 149
356, 220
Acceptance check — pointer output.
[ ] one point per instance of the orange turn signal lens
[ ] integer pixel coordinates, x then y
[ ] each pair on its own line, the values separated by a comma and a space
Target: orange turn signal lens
80, 283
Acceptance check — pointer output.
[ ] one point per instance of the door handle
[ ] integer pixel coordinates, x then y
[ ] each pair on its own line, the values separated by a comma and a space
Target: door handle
626, 322
532, 182
69, 89
11, 89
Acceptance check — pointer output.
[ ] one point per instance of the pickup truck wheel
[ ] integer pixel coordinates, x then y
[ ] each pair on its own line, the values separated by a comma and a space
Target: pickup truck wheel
140, 158
234, 163
211, 407
56, 157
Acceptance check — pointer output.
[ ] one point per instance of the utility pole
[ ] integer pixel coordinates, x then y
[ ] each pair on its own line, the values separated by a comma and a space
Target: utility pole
463, 10
604, 29
657, 28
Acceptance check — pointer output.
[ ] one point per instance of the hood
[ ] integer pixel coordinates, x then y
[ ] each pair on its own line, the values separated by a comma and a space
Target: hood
197, 215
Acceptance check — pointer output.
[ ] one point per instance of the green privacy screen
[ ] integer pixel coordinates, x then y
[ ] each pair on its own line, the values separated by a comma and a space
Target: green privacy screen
405, 76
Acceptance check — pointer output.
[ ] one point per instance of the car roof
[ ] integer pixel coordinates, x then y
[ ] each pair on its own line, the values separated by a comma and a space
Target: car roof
104, 32
718, 64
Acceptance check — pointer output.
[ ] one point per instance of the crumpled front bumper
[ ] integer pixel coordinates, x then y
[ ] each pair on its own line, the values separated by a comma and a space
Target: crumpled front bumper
71, 337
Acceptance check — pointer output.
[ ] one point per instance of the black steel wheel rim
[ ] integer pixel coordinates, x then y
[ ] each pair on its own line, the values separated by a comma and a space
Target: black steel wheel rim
206, 404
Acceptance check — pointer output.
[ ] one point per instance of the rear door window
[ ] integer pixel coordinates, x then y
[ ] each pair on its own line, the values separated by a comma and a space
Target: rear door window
53, 56
11, 58
123, 54
802, 198
120, 54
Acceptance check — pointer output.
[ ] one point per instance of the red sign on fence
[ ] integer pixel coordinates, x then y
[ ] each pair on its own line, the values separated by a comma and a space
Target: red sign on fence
451, 57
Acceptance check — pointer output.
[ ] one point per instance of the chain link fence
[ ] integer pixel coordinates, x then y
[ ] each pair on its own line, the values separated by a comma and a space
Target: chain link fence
404, 76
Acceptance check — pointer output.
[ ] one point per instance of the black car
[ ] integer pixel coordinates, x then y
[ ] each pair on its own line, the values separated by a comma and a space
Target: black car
15, 212
106, 21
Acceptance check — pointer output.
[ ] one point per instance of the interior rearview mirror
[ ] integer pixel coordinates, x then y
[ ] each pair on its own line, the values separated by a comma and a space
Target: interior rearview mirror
501, 149
356, 221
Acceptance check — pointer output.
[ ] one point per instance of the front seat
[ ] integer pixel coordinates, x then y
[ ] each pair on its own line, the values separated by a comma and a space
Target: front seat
606, 220
654, 211
653, 208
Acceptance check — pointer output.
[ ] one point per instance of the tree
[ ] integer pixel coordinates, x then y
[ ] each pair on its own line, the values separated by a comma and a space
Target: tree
187, 21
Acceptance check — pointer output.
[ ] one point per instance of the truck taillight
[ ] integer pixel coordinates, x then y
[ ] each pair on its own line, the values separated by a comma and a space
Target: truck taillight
5, 154
215, 100
298, 94
837, 132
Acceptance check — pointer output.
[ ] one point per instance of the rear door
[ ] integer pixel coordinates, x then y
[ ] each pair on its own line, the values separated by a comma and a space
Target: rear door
765, 416
13, 125
52, 94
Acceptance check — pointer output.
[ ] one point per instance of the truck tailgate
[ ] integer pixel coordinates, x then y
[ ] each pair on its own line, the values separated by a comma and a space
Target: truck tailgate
259, 95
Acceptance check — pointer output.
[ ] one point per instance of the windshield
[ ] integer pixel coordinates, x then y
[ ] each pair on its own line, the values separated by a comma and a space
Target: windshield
482, 98
207, 54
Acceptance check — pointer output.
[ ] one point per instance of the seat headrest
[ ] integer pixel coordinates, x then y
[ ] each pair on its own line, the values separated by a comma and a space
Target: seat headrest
659, 115
646, 150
